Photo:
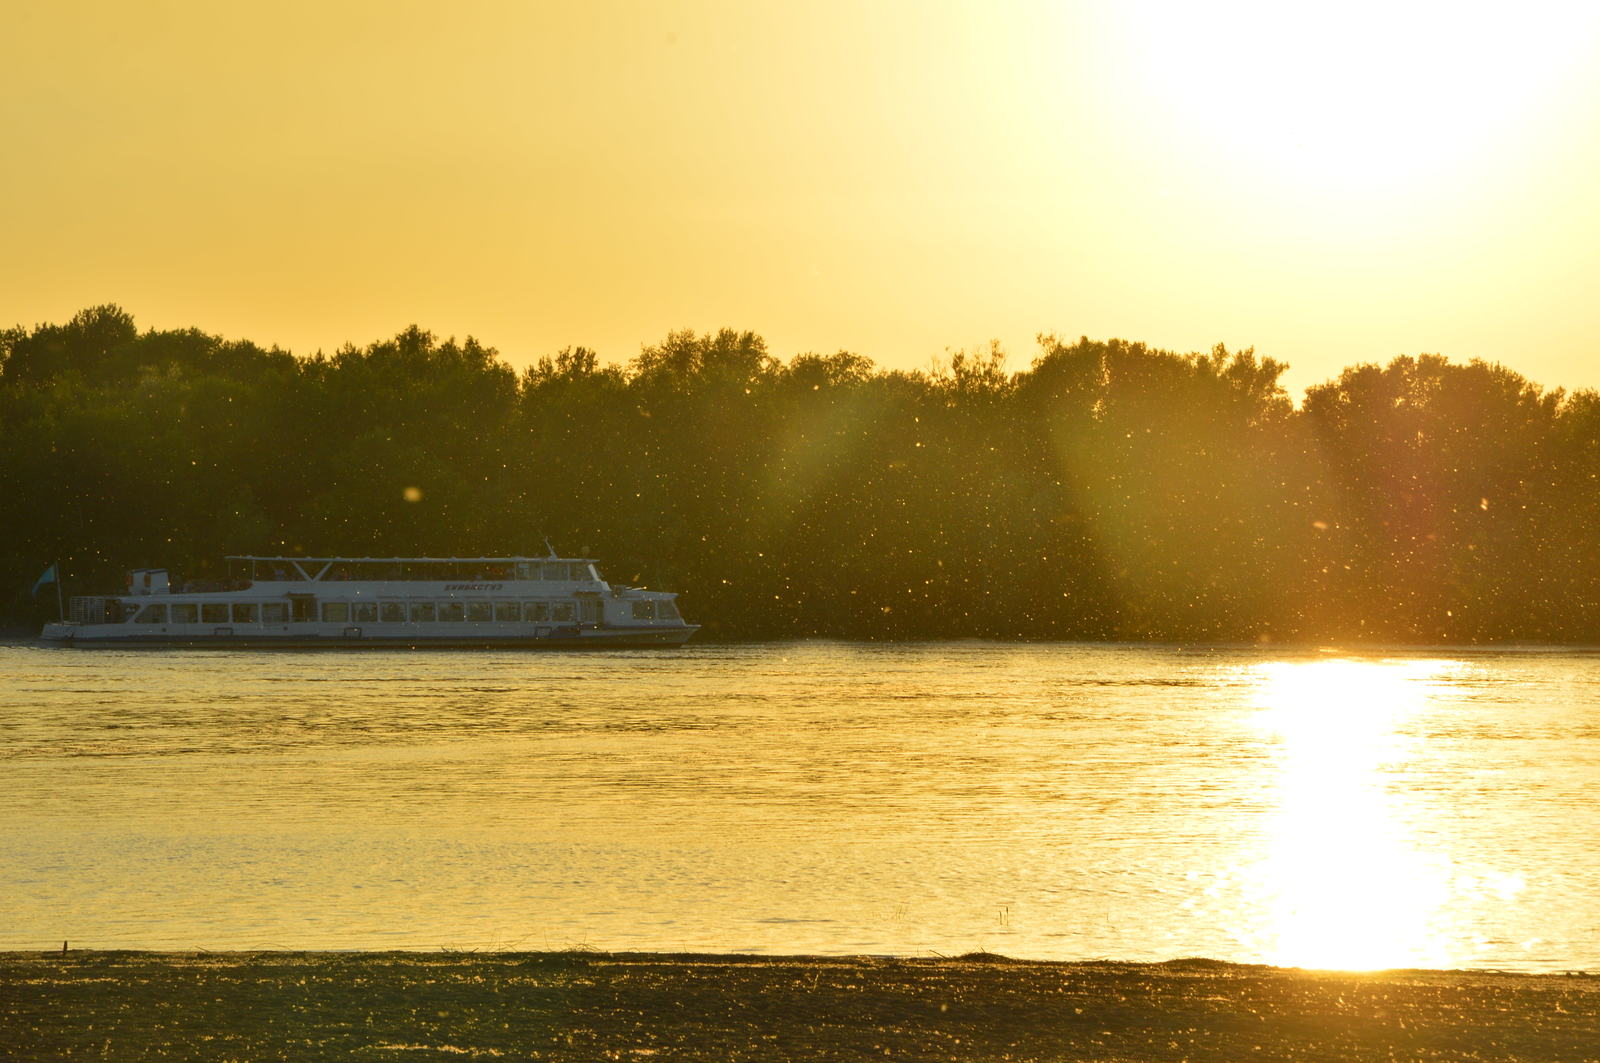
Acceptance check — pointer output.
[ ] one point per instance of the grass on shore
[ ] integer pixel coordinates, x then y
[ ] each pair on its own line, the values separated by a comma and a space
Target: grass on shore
599, 1006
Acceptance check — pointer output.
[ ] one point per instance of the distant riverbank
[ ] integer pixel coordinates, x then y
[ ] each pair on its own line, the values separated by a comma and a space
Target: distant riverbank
589, 1005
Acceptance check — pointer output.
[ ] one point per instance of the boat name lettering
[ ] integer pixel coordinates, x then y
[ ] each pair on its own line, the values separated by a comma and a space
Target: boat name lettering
473, 586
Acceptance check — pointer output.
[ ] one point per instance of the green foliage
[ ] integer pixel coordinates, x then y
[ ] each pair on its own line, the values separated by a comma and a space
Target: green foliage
1110, 490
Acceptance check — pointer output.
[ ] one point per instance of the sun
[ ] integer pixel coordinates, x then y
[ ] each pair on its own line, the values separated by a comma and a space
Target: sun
1354, 97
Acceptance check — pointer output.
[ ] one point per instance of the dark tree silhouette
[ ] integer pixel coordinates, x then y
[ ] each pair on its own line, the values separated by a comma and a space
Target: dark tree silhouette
1109, 490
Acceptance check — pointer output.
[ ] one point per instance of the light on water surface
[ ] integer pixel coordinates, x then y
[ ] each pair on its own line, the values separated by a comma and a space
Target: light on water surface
1041, 801
1346, 883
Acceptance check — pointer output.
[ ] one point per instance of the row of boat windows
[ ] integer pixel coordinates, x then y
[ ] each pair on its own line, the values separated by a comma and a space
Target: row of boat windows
393, 612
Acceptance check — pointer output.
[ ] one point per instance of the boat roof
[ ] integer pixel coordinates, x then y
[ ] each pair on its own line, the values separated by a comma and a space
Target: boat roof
499, 559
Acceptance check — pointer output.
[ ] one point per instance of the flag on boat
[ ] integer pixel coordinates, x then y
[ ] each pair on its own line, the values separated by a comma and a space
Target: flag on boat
49, 576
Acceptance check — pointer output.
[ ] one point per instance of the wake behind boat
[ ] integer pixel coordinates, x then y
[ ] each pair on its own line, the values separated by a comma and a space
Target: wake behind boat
473, 602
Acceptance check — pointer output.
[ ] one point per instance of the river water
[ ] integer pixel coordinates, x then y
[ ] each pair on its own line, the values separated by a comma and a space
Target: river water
1436, 809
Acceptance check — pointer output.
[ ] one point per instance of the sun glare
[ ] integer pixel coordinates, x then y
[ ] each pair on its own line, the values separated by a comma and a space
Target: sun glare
1359, 96
1343, 881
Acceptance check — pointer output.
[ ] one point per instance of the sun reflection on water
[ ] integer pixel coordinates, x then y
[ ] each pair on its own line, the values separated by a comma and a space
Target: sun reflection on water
1345, 882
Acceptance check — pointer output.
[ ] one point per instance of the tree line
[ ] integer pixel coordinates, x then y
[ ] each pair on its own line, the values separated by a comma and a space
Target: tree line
1108, 491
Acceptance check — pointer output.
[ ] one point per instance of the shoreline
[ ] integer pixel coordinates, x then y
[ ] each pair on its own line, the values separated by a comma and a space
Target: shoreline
580, 1005
25, 635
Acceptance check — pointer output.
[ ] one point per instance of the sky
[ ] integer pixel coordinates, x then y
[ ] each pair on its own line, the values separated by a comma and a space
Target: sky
1327, 183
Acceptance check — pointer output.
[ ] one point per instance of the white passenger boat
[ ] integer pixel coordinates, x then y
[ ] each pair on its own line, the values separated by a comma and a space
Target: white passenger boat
465, 602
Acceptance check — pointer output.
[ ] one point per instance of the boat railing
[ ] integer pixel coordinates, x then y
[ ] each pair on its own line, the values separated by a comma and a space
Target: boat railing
214, 586
94, 609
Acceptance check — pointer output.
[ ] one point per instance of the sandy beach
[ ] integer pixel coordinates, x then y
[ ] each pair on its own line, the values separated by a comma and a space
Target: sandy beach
597, 1006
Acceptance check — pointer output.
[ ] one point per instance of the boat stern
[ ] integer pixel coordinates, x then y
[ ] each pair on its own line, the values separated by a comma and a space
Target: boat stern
58, 632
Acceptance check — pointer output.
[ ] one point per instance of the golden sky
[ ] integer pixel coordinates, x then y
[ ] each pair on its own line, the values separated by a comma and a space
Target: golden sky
1331, 183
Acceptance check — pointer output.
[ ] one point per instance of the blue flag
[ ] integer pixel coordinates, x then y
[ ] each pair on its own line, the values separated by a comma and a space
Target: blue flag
46, 579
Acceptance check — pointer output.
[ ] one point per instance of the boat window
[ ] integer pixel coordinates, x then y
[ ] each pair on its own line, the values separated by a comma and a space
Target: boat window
451, 611
535, 611
185, 613
244, 612
392, 612
561, 611
335, 612
274, 612
555, 570
421, 612
645, 610
507, 611
668, 610
480, 611
152, 614
363, 612
527, 570
214, 613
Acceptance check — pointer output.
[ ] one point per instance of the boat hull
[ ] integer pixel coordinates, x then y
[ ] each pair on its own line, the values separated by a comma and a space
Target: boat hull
75, 636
